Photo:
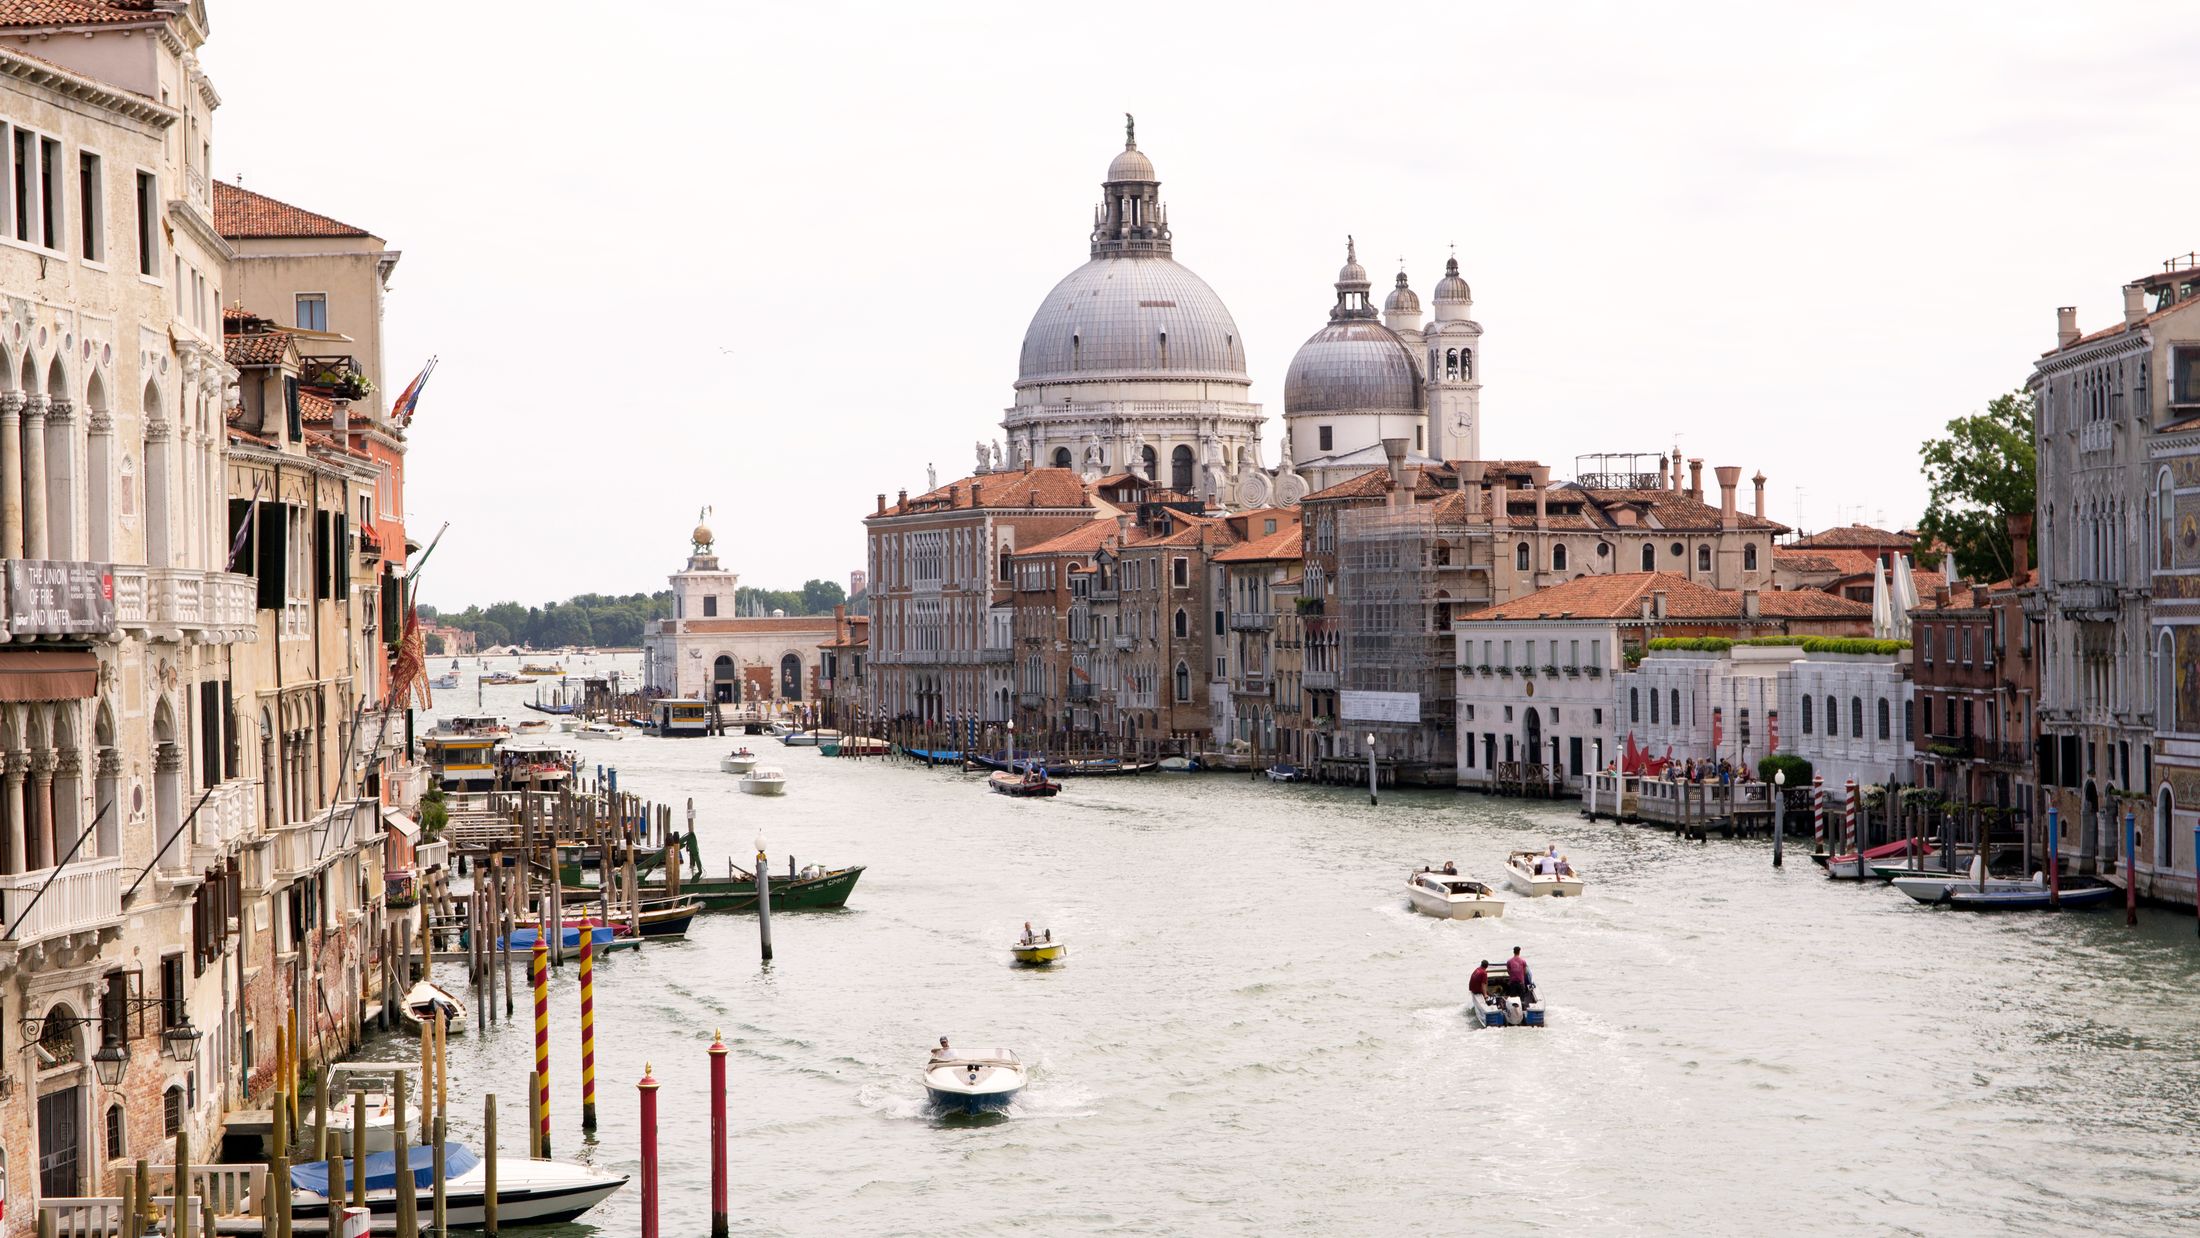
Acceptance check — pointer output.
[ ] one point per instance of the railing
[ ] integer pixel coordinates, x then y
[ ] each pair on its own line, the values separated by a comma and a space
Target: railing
129, 596
1249, 621
224, 819
2006, 753
2082, 599
1125, 643
2096, 436
92, 1216
996, 653
1031, 700
1320, 681
87, 895
1080, 692
328, 371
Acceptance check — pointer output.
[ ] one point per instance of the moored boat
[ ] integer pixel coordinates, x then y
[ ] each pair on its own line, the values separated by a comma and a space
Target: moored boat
1284, 771
1974, 891
974, 1083
424, 1001
528, 1192
1849, 868
1177, 765
813, 889
1449, 896
1916, 866
810, 739
854, 746
739, 761
1523, 873
764, 780
1027, 785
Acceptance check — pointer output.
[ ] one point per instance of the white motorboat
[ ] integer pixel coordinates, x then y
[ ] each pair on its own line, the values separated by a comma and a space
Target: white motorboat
1502, 1008
973, 1083
1521, 873
739, 761
529, 1192
367, 1091
810, 739
1449, 896
424, 1000
764, 780
531, 726
599, 730
446, 682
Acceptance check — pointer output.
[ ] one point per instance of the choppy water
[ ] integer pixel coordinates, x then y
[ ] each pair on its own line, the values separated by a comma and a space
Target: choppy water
1255, 1035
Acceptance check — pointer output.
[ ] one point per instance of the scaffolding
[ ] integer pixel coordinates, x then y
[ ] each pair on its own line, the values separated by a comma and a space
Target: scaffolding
1400, 571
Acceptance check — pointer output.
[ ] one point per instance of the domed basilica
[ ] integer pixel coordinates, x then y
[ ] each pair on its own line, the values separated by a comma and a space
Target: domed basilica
1133, 364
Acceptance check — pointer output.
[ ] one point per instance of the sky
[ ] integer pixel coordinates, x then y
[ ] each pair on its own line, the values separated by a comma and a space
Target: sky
775, 259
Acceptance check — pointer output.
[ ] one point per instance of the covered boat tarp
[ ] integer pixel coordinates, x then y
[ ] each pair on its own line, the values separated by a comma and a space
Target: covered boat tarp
524, 939
381, 1171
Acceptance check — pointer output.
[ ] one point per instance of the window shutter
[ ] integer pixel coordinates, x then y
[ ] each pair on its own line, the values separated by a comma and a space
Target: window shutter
290, 407
240, 522
229, 735
393, 604
210, 733
273, 539
340, 557
321, 556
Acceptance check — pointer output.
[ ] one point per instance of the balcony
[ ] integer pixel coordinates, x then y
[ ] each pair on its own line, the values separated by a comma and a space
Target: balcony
2087, 600
1031, 700
1125, 644
1248, 621
370, 543
225, 820
1319, 681
996, 653
58, 597
1080, 692
82, 902
170, 603
2005, 753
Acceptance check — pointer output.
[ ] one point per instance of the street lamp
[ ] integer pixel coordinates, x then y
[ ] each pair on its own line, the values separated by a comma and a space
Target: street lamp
1779, 815
110, 1061
182, 1042
1371, 768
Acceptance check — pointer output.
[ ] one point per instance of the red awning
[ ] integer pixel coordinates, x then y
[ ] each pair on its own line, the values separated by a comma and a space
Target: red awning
48, 675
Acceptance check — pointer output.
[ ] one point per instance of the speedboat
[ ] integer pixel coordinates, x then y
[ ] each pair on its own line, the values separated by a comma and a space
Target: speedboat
1521, 875
1177, 765
810, 739
447, 682
1025, 785
739, 761
1915, 866
1284, 771
529, 1192
1039, 951
378, 1115
427, 999
1449, 896
599, 730
764, 780
1975, 891
1849, 868
973, 1083
1500, 1007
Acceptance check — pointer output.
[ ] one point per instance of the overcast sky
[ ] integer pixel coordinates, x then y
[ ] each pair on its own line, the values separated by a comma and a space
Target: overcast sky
774, 259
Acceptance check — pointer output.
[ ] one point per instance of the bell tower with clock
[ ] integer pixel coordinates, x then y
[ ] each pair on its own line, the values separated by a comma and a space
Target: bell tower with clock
1454, 342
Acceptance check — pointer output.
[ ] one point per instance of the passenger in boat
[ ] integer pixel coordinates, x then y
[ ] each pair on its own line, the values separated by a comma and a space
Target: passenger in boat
943, 1052
1546, 865
1479, 981
1517, 975
1565, 867
1027, 932
1450, 869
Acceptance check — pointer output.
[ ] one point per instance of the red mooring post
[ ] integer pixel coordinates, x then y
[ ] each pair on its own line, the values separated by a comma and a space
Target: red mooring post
648, 1089
718, 1220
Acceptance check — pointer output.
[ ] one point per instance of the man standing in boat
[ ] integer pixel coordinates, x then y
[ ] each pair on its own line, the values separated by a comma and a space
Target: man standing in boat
943, 1052
1519, 978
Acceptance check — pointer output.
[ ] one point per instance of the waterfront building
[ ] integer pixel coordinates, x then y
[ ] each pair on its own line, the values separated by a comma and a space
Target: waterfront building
937, 565
2101, 397
841, 676
1545, 690
1133, 364
1255, 583
1972, 647
1049, 594
1852, 715
1167, 611
707, 652
2165, 867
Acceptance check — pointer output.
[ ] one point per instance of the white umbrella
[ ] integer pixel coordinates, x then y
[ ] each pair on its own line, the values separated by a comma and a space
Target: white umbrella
1905, 596
1882, 622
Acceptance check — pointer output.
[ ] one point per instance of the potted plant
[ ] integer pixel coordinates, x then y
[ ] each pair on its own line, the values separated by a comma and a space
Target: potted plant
352, 385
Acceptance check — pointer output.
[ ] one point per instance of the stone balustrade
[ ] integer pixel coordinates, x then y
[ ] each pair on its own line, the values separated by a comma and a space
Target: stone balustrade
86, 896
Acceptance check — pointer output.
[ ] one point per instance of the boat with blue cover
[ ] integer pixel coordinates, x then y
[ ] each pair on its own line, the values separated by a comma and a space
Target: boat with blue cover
529, 1192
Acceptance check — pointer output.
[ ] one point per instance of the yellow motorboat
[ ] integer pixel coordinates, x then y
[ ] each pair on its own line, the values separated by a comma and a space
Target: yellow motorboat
1039, 951
539, 668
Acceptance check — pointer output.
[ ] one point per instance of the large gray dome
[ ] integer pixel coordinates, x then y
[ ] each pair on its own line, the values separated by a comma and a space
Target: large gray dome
1131, 316
1352, 365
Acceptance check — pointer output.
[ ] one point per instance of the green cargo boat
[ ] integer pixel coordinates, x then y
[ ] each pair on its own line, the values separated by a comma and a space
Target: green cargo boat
825, 891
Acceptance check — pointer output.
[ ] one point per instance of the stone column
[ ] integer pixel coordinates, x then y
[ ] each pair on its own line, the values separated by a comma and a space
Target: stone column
34, 477
11, 475
19, 858
39, 822
159, 491
168, 804
62, 541
99, 475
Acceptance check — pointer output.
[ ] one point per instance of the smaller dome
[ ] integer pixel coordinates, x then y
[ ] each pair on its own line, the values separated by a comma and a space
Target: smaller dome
1451, 287
1131, 165
1402, 300
1351, 274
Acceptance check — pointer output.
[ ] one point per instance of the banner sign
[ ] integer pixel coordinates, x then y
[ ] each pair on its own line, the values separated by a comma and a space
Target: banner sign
51, 597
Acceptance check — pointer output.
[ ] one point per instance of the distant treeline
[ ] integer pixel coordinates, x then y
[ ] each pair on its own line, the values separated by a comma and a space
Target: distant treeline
606, 619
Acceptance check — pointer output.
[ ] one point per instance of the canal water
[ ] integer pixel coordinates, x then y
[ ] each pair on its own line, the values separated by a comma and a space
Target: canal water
1254, 1034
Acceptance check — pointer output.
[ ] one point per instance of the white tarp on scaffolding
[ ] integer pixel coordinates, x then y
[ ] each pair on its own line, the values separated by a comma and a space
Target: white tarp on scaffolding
1400, 707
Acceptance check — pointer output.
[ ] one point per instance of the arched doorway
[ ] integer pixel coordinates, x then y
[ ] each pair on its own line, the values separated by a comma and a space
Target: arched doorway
2089, 827
725, 681
790, 678
1531, 736
60, 1111
2165, 838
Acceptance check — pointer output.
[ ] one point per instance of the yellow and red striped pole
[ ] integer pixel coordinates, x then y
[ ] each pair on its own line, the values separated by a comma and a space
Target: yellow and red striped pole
588, 1026
538, 966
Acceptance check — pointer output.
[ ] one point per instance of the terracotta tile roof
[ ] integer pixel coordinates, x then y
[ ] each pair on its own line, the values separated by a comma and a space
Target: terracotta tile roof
74, 12
1838, 562
1458, 506
1284, 543
1853, 537
2121, 327
1082, 540
266, 348
315, 409
1621, 596
2177, 427
240, 213
1036, 488
1669, 511
1373, 483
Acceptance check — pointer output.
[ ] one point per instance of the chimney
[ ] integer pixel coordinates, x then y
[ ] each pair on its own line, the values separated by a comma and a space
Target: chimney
1657, 603
1940, 595
2020, 544
881, 506
1662, 478
1749, 604
1542, 517
1500, 505
902, 500
840, 621
1676, 468
2066, 325
1395, 450
1122, 528
2135, 304
1730, 480
340, 421
1759, 482
1695, 478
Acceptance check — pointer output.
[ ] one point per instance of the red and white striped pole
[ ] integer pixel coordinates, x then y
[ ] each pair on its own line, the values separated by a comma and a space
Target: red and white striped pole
648, 1088
719, 1223
1818, 812
539, 970
1848, 829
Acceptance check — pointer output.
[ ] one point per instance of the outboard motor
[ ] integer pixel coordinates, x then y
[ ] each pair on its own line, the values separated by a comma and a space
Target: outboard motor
1514, 1011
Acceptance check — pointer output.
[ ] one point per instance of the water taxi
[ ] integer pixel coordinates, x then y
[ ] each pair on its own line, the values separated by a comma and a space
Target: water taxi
1449, 896
764, 780
531, 726
1521, 873
461, 751
1027, 785
739, 761
973, 1083
446, 682
674, 715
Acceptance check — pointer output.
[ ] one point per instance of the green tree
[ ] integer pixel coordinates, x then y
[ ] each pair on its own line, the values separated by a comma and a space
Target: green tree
1981, 472
433, 644
820, 596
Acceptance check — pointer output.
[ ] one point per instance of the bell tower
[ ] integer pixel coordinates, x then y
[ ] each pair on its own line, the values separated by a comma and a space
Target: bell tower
1454, 351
